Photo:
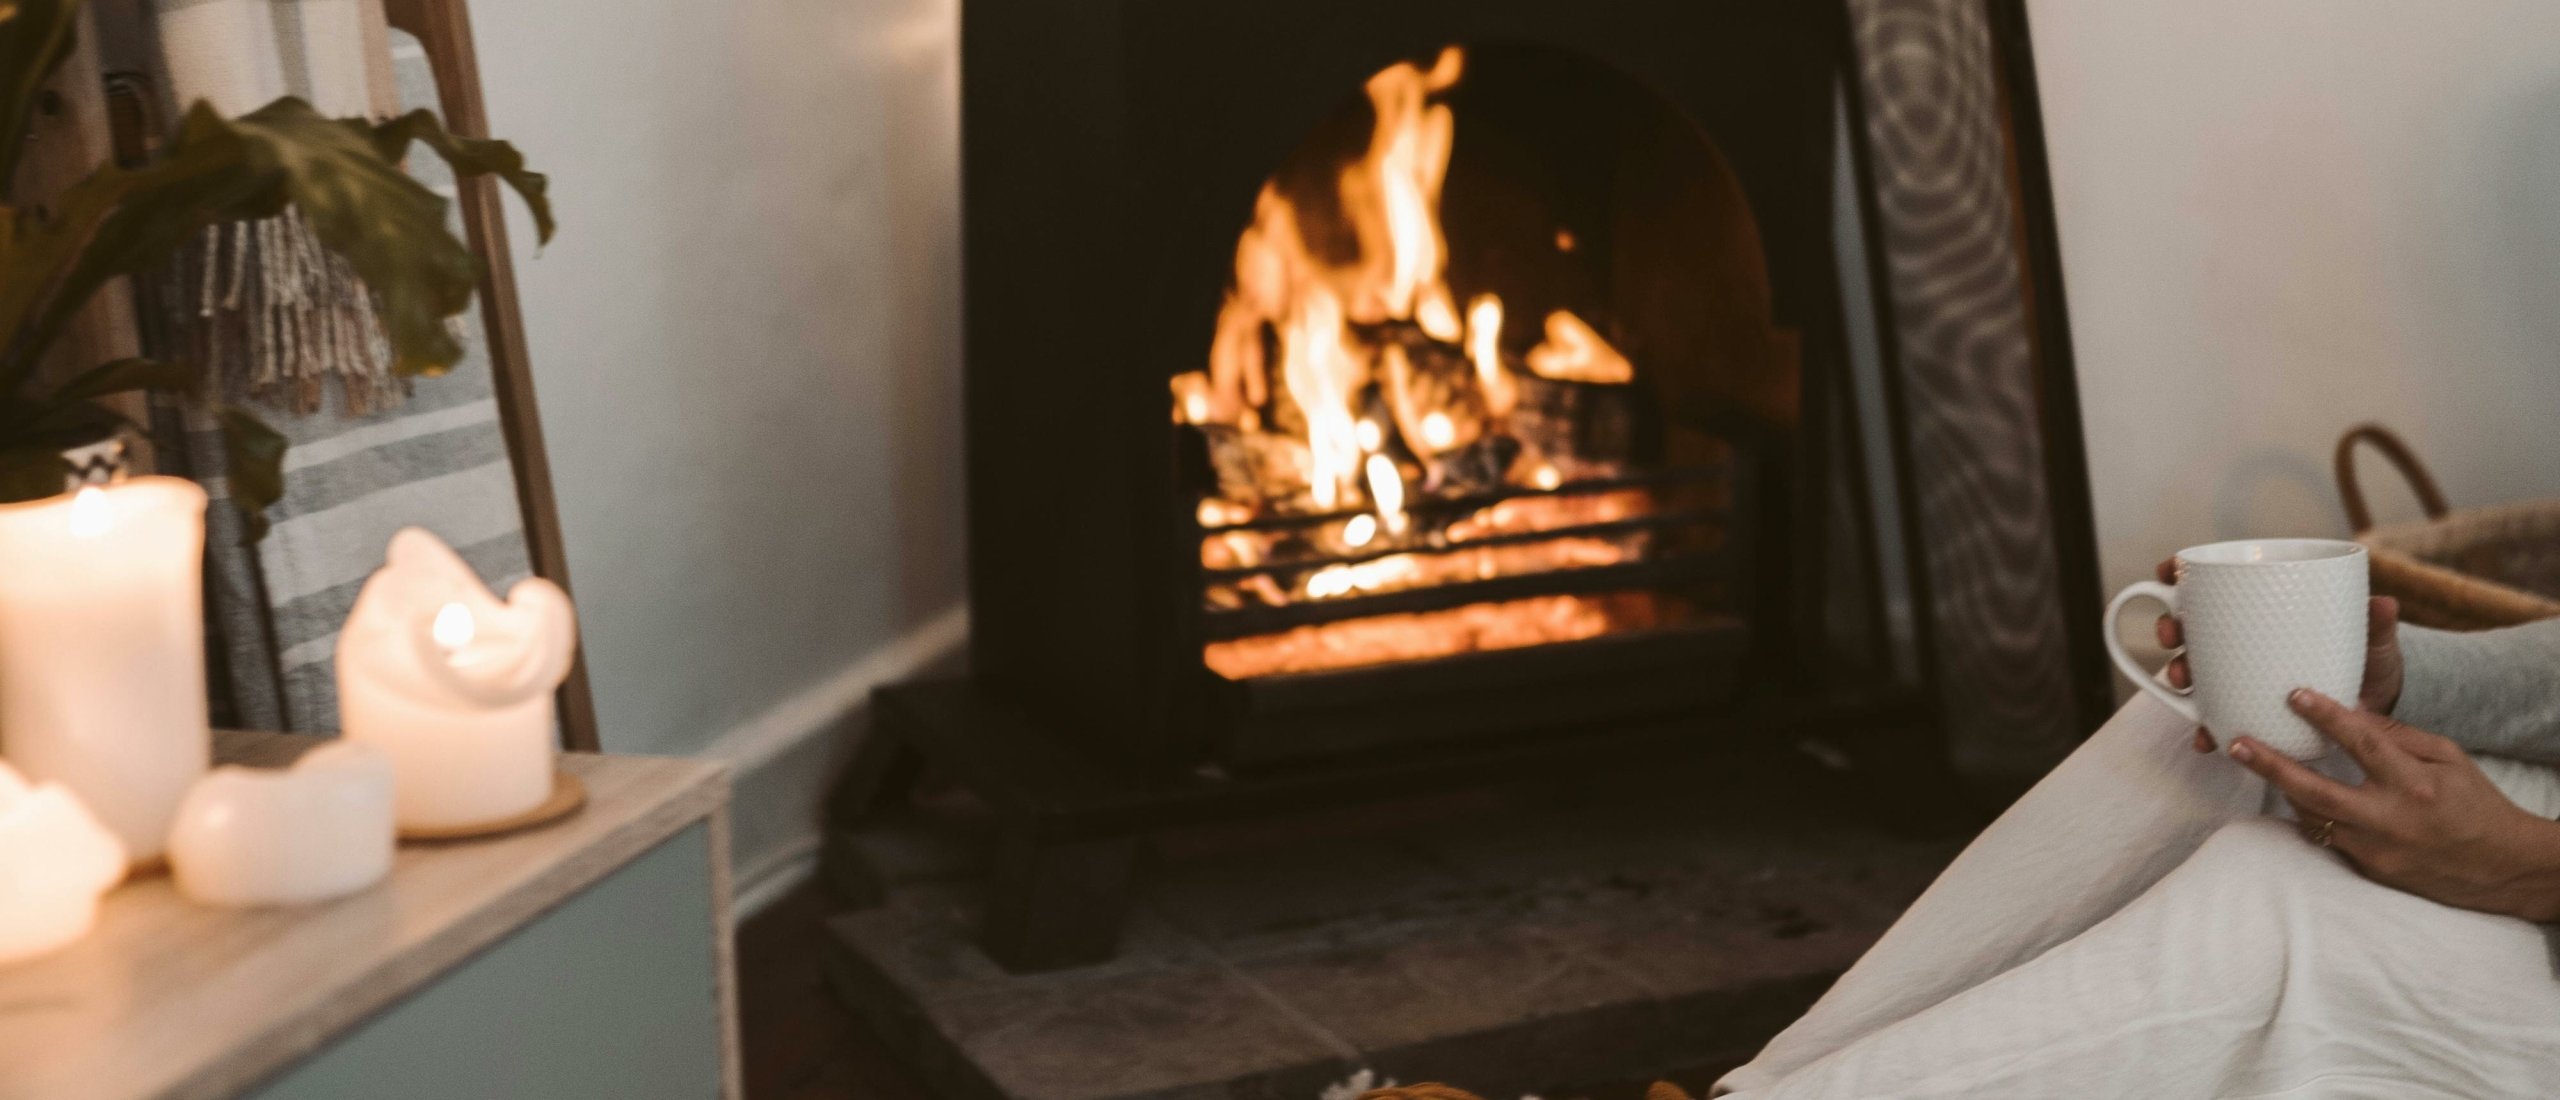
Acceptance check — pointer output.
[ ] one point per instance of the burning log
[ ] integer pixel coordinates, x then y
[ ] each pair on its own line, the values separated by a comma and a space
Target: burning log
1592, 422
1379, 475
1481, 466
1260, 468
1432, 390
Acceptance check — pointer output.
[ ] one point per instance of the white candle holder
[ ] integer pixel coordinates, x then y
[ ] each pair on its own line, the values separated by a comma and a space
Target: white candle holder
102, 649
455, 686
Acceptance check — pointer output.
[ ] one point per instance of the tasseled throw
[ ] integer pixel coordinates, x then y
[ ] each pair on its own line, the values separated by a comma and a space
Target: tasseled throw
270, 312
275, 315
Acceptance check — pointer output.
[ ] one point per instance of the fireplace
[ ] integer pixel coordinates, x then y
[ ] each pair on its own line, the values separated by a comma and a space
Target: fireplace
1550, 279
1369, 395
1470, 452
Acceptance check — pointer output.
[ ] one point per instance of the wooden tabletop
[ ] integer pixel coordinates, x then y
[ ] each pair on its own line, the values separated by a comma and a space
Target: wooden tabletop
170, 1000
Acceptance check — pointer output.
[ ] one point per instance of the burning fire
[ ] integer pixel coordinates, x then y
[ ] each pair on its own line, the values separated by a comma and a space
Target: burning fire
1389, 400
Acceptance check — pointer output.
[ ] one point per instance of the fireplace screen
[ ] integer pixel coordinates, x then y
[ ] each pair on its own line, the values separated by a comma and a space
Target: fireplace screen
1481, 380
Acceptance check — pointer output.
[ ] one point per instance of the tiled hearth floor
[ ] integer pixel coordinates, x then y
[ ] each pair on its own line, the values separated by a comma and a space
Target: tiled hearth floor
1572, 942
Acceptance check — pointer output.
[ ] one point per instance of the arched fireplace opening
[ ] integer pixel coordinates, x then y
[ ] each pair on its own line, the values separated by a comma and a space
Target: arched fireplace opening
1481, 394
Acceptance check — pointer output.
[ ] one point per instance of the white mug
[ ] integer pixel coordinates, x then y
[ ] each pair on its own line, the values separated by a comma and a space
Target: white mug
2262, 617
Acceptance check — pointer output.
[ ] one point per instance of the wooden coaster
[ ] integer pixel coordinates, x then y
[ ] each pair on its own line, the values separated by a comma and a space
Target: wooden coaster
567, 795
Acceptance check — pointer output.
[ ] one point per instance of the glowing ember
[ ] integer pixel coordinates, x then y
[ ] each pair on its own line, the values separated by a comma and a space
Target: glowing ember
1402, 572
1474, 628
1359, 530
1386, 486
1438, 432
1214, 512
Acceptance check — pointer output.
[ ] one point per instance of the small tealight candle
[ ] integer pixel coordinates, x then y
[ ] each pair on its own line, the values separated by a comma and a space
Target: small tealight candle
56, 860
454, 685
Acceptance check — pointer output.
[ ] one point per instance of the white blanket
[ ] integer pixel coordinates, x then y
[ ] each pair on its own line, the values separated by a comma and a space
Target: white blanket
2134, 927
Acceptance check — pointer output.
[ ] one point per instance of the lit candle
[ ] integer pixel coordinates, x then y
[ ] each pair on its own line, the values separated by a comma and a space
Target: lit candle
56, 860
102, 649
286, 836
453, 685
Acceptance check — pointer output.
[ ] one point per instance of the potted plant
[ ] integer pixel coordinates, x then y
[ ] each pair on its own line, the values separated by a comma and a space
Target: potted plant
344, 177
101, 645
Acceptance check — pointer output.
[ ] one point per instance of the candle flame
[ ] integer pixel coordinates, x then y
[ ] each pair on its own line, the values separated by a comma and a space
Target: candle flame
89, 513
454, 627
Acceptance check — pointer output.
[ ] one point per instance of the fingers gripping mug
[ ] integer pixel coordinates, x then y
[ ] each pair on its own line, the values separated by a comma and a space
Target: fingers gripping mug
2262, 617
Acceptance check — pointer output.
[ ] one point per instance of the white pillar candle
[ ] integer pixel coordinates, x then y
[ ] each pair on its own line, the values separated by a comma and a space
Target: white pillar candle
102, 649
56, 860
455, 686
286, 836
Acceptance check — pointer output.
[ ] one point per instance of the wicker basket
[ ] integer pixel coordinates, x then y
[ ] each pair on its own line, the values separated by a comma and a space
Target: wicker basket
2469, 570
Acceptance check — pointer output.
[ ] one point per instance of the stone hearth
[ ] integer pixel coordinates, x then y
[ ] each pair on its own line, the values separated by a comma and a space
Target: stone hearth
1554, 942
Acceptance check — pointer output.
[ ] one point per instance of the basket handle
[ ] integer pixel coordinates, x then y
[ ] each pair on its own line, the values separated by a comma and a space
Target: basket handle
2351, 492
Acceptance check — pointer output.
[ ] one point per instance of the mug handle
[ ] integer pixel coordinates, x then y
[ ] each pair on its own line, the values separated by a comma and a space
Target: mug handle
2141, 677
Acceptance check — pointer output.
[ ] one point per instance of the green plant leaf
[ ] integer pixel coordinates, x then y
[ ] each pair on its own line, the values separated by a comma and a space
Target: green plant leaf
255, 456
470, 157
127, 376
361, 205
61, 424
118, 221
31, 473
387, 225
35, 35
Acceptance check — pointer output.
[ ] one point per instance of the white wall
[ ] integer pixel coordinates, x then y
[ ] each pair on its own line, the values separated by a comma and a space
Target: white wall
745, 341
2282, 217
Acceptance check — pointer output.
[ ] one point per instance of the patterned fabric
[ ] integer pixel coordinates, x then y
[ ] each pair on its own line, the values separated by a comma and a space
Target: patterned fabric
1939, 149
439, 461
270, 309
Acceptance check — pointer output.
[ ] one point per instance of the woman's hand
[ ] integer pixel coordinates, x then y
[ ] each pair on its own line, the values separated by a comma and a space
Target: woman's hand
2382, 667
2426, 819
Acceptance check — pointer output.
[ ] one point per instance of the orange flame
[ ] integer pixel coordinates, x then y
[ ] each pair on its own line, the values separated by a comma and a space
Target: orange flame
1386, 486
1393, 197
1343, 376
1484, 349
1575, 353
1322, 375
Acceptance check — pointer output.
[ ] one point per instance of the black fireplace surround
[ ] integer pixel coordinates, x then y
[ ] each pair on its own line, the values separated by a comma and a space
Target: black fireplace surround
1113, 150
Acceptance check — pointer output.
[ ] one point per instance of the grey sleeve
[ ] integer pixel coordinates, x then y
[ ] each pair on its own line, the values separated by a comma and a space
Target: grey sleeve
2494, 692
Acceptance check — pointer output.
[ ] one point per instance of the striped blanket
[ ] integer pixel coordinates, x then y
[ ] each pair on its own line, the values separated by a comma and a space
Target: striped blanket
437, 461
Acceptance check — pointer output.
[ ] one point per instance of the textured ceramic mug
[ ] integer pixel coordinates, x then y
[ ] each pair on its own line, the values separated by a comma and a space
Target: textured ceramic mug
2262, 617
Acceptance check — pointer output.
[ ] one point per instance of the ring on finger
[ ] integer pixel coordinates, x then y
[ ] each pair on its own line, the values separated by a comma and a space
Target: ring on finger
2322, 834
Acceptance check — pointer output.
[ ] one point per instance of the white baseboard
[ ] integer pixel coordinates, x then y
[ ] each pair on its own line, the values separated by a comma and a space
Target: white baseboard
778, 877
782, 850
